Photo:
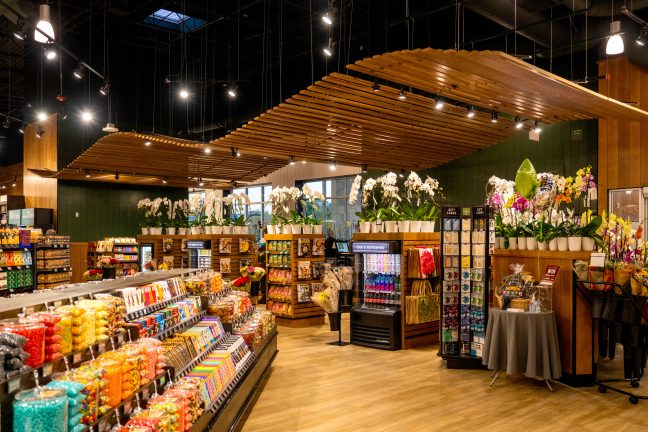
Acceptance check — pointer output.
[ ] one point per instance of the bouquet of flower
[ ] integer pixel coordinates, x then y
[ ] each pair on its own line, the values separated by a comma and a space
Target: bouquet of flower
107, 262
254, 273
93, 275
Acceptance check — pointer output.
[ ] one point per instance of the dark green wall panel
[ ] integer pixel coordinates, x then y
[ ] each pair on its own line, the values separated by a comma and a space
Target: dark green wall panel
464, 180
104, 209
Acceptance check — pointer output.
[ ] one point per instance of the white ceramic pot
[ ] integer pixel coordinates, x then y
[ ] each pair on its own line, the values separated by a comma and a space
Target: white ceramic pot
403, 226
245, 230
563, 244
171, 230
307, 229
377, 227
415, 226
156, 231
427, 226
575, 243
271, 229
391, 226
499, 243
217, 229
208, 229
531, 243
553, 244
318, 229
365, 227
543, 246
286, 229
195, 230
513, 243
521, 242
588, 244
145, 231
228, 229
295, 228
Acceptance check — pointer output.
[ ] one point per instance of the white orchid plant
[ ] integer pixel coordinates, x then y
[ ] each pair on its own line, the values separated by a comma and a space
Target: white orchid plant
213, 208
235, 204
310, 203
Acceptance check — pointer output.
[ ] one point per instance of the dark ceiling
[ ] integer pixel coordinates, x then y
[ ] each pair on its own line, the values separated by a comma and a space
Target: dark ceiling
270, 49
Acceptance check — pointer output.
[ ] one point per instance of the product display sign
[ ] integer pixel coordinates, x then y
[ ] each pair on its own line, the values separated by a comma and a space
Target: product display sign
386, 247
196, 244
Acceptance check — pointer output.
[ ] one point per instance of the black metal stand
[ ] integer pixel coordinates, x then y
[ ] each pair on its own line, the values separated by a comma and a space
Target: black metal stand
634, 381
337, 316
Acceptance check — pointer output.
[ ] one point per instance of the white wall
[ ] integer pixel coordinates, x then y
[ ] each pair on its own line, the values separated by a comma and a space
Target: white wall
287, 175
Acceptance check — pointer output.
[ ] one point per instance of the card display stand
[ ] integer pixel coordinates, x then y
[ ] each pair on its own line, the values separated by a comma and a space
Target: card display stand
288, 293
466, 242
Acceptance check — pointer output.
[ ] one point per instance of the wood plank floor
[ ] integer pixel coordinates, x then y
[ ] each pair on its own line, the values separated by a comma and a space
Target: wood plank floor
318, 387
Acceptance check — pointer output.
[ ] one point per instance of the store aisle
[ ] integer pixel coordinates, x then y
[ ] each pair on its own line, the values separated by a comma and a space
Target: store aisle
318, 387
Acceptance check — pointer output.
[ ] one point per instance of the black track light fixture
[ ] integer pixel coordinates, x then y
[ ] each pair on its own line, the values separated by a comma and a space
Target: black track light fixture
21, 30
87, 173
291, 160
329, 50
165, 180
79, 71
471, 112
105, 88
235, 152
402, 95
439, 103
6, 123
375, 87
232, 91
536, 127
365, 168
642, 38
401, 174
518, 122
494, 116
39, 132
21, 129
116, 175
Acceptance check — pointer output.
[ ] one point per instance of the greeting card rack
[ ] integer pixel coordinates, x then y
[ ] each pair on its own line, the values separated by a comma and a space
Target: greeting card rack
289, 288
466, 244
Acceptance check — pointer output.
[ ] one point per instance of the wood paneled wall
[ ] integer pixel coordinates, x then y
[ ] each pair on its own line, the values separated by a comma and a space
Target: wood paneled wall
7, 174
79, 260
40, 153
623, 145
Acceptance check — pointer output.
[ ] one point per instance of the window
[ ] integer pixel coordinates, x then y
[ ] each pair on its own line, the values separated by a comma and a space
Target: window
259, 212
174, 21
337, 214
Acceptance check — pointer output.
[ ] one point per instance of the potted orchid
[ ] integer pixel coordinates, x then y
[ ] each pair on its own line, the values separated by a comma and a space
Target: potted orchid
363, 216
419, 211
169, 216
181, 216
283, 200
228, 202
155, 216
239, 222
197, 209
143, 207
213, 211
310, 205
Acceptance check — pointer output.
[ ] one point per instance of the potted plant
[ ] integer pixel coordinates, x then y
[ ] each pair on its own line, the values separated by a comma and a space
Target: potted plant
588, 231
227, 227
531, 242
143, 207
93, 275
419, 206
181, 216
574, 241
310, 208
239, 224
541, 231
197, 209
521, 233
107, 265
295, 223
283, 200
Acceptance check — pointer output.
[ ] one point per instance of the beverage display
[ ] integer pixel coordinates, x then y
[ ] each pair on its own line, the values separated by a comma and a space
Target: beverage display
382, 281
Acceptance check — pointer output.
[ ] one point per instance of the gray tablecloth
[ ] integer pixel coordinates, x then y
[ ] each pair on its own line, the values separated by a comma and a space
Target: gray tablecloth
522, 343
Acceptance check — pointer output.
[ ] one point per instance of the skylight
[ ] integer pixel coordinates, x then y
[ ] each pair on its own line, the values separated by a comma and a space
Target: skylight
174, 21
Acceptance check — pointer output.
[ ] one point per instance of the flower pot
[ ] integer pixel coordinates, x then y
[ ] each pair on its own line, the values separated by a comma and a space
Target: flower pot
403, 226
295, 228
531, 243
427, 226
499, 243
271, 229
145, 231
109, 272
521, 243
171, 230
217, 229
208, 230
156, 231
307, 229
227, 229
195, 230
415, 226
365, 227
543, 246
391, 226
575, 243
562, 244
513, 243
286, 229
588, 244
318, 229
553, 244
377, 227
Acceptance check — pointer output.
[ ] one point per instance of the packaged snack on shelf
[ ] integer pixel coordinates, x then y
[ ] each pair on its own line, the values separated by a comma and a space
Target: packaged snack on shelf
34, 332
41, 409
53, 334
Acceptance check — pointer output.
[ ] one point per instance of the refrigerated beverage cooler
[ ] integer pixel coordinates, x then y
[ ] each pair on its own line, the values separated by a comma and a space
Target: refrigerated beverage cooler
146, 255
376, 315
199, 254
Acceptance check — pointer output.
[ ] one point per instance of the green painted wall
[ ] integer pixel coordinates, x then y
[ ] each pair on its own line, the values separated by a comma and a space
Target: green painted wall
563, 149
105, 209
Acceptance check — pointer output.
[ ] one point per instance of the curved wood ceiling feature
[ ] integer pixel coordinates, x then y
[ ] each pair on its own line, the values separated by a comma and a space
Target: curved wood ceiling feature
495, 80
341, 118
180, 162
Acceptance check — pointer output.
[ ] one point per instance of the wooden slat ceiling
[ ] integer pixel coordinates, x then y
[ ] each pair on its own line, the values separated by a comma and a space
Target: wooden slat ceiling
178, 162
341, 118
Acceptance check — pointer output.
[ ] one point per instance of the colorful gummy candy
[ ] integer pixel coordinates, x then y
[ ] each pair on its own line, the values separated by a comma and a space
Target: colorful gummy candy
34, 332
40, 409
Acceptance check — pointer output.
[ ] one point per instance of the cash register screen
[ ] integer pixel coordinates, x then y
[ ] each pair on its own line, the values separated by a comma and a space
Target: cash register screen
342, 246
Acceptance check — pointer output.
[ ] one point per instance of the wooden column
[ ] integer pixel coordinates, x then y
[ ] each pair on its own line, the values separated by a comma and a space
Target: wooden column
623, 145
41, 153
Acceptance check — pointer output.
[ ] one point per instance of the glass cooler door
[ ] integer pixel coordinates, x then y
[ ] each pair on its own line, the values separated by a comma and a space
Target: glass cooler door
381, 285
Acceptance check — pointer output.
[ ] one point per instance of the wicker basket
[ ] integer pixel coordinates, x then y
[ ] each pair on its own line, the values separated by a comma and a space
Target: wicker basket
515, 303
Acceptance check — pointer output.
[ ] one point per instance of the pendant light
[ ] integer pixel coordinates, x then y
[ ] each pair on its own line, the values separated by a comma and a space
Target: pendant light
44, 25
615, 42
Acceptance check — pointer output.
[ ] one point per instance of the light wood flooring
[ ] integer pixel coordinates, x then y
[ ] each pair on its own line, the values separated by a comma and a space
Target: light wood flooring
314, 386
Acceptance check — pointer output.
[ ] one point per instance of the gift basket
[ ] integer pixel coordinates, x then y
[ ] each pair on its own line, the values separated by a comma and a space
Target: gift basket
516, 290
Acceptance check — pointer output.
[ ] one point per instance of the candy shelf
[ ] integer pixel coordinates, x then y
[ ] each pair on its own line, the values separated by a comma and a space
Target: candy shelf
53, 246
15, 267
199, 358
237, 400
154, 307
54, 270
180, 326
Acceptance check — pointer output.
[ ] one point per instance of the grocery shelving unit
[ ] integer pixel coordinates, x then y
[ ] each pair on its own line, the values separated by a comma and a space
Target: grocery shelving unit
52, 266
16, 269
297, 310
126, 252
10, 202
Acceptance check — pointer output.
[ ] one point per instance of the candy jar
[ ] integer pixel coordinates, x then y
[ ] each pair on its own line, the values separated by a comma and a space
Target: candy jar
34, 332
76, 397
40, 409
79, 325
66, 332
90, 404
53, 338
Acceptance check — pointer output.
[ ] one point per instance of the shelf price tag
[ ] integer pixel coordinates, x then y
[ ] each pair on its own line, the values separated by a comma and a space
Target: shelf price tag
48, 369
102, 348
77, 358
14, 385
